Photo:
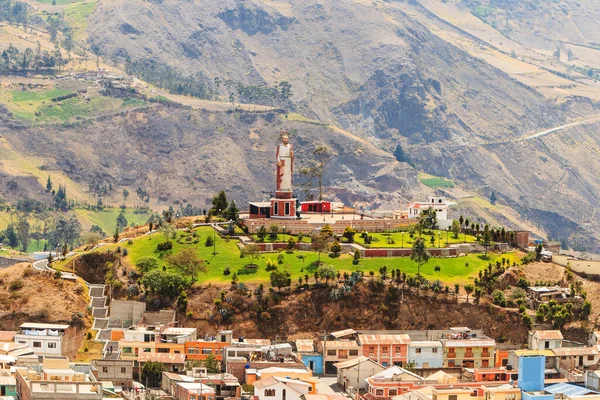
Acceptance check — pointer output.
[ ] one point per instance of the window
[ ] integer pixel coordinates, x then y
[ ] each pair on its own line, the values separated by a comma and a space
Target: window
379, 392
451, 363
51, 345
434, 350
162, 350
371, 351
418, 350
276, 212
192, 350
452, 397
192, 397
22, 342
331, 352
287, 208
270, 392
398, 352
590, 358
206, 351
546, 344
148, 350
105, 370
123, 370
127, 350
353, 352
392, 392
37, 344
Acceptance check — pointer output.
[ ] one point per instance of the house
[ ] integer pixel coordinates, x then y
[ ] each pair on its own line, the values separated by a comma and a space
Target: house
572, 361
543, 340
152, 339
291, 373
259, 357
346, 334
56, 378
305, 349
119, 372
224, 385
276, 388
201, 349
504, 375
386, 349
193, 391
353, 373
8, 386
426, 354
514, 357
439, 204
44, 339
594, 339
336, 351
391, 382
463, 349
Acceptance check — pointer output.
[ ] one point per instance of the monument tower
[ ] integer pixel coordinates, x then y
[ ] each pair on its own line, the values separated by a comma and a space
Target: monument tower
283, 205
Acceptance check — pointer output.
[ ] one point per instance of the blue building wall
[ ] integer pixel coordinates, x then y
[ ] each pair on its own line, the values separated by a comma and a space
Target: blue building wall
314, 362
531, 373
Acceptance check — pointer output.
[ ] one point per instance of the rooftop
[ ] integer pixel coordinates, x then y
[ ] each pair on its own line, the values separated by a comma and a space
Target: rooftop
395, 372
575, 351
470, 343
570, 390
196, 387
341, 344
548, 334
179, 331
345, 332
352, 362
425, 343
305, 345
7, 336
532, 353
162, 357
384, 339
32, 325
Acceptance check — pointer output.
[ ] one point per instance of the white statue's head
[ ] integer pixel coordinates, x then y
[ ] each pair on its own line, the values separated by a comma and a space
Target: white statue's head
285, 138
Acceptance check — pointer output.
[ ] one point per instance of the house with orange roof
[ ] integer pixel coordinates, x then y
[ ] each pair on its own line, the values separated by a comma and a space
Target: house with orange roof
386, 349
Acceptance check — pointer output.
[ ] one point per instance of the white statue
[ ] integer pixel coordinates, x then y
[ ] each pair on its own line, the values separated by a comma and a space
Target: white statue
285, 164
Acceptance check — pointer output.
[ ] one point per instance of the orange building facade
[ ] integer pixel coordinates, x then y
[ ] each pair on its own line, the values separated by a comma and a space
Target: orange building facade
200, 350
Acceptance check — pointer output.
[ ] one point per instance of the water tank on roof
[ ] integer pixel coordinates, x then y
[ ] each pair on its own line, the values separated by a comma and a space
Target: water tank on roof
509, 367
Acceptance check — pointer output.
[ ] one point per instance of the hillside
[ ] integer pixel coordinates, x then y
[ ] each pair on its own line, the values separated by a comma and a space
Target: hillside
458, 84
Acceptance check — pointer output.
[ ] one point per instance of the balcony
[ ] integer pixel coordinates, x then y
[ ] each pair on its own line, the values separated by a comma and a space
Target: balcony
485, 354
469, 354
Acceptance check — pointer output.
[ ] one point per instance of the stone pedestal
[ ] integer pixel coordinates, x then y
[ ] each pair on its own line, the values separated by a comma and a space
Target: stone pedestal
283, 205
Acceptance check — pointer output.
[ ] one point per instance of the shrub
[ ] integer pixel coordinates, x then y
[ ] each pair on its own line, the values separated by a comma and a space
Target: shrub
164, 246
209, 241
271, 265
280, 258
89, 336
57, 274
16, 285
125, 252
226, 271
146, 264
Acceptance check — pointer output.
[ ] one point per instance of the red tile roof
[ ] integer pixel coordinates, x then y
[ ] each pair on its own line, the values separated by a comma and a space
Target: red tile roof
384, 339
7, 336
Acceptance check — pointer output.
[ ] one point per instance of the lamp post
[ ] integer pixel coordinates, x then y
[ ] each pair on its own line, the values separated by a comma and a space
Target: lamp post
439, 239
283, 232
177, 220
447, 230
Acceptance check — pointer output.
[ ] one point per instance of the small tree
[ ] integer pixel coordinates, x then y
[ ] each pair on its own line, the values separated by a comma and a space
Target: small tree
188, 262
273, 232
455, 228
146, 264
469, 289
291, 244
356, 256
336, 248
419, 254
487, 238
327, 231
252, 251
327, 272
280, 279
349, 233
493, 198
232, 212
319, 243
261, 234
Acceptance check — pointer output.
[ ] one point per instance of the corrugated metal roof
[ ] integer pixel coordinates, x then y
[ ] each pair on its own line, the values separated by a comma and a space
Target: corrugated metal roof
305, 345
569, 390
355, 361
526, 352
548, 334
575, 351
7, 336
384, 339
470, 343
343, 333
341, 344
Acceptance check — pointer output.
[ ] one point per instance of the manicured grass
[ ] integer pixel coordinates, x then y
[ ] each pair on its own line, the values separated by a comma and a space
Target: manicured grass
435, 182
453, 270
403, 240
107, 219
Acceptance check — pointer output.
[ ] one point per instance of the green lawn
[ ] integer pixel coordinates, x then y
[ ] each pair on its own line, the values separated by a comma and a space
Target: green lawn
453, 270
436, 182
403, 240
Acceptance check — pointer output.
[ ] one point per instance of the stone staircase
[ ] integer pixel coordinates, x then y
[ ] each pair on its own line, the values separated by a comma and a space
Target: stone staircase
98, 300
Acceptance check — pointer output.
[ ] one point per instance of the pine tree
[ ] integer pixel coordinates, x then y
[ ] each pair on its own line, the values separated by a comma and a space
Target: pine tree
493, 198
49, 184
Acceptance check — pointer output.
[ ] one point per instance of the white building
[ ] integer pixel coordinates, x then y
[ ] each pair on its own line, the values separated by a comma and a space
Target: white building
280, 388
426, 354
353, 373
44, 339
439, 204
544, 340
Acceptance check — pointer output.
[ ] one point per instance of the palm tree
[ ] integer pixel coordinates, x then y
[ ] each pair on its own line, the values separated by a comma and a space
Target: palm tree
469, 289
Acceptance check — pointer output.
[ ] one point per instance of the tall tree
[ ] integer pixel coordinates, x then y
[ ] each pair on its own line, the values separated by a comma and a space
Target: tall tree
188, 262
121, 221
219, 203
487, 238
419, 254
23, 232
152, 373
49, 184
232, 212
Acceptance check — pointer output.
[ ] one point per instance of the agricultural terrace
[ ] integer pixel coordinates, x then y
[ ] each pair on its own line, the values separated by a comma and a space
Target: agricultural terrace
298, 263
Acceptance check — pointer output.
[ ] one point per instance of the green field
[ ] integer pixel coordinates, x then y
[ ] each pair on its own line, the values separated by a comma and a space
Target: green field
453, 270
403, 240
434, 181
19, 95
77, 15
107, 219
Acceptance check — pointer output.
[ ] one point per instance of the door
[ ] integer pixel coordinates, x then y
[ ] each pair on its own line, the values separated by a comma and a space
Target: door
311, 365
